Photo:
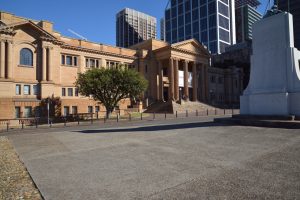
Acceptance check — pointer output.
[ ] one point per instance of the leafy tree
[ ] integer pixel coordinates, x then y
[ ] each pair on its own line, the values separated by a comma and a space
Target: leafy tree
54, 106
109, 86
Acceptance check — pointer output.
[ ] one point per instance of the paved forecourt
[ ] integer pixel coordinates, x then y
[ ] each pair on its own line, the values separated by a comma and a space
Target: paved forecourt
183, 159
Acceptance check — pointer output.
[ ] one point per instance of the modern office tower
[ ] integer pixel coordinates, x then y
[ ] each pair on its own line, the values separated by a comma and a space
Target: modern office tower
133, 27
252, 3
293, 7
212, 22
245, 16
162, 29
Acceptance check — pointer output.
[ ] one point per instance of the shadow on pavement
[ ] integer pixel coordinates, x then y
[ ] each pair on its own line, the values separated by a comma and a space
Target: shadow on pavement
153, 128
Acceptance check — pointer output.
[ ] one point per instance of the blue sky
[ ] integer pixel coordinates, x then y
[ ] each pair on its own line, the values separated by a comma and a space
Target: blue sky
94, 19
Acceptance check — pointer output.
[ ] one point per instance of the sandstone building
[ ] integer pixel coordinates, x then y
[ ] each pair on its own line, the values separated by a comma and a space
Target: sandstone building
36, 62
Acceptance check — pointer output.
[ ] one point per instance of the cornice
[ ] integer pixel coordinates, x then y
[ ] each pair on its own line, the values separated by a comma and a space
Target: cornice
77, 48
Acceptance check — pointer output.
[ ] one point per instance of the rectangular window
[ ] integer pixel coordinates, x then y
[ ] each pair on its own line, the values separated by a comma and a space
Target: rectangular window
66, 110
27, 111
70, 92
188, 17
212, 8
63, 92
195, 15
26, 89
213, 47
195, 3
180, 9
69, 60
187, 6
74, 110
92, 63
212, 34
35, 89
224, 22
223, 9
223, 47
87, 63
196, 27
76, 92
18, 89
63, 59
75, 61
224, 35
97, 108
90, 109
174, 23
203, 11
17, 112
203, 24
212, 21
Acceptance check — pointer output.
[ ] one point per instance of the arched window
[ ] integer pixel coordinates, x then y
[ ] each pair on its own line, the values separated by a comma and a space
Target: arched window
26, 57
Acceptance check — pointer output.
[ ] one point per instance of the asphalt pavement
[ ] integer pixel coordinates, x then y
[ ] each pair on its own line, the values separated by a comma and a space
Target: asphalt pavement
163, 159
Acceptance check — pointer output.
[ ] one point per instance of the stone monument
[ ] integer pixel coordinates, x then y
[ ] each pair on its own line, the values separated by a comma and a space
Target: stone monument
274, 86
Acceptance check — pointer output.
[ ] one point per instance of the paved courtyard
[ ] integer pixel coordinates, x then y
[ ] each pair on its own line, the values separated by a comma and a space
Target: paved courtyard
172, 159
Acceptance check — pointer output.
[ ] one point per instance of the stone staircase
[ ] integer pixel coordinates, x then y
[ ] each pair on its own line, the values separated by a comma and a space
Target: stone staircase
160, 107
172, 107
191, 106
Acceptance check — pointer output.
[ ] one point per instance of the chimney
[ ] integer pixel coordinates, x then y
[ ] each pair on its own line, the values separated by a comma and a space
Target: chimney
46, 25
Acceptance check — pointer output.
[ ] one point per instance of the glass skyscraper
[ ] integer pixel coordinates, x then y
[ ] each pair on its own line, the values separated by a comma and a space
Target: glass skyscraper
211, 22
246, 15
133, 27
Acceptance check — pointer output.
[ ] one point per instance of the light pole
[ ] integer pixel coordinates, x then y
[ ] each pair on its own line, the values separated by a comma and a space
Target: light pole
48, 109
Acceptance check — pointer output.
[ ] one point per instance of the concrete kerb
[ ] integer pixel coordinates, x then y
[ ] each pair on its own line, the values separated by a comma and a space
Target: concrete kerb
274, 122
100, 122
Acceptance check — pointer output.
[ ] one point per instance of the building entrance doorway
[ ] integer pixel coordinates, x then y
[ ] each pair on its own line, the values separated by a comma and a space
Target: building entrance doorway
190, 93
166, 94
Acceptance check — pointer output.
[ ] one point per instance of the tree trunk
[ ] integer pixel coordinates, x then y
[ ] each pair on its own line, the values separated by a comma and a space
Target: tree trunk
108, 112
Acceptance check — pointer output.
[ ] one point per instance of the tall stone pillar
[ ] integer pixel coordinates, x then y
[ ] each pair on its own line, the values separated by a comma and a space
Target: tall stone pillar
2, 59
160, 82
44, 66
9, 60
195, 80
49, 64
171, 79
206, 82
176, 80
203, 83
186, 77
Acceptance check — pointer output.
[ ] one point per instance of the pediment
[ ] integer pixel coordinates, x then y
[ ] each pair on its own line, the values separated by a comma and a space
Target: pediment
28, 28
191, 46
2, 24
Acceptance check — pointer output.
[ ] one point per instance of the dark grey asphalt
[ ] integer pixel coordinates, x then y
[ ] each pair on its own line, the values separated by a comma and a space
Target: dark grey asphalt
172, 159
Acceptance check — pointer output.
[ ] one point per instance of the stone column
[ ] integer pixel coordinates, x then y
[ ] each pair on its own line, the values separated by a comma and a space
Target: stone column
2, 59
206, 82
195, 91
203, 83
44, 66
49, 64
9, 60
176, 80
171, 79
160, 82
186, 77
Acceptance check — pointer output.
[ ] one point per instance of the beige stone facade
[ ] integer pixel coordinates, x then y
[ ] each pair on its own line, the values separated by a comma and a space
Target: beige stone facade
174, 71
23, 86
37, 62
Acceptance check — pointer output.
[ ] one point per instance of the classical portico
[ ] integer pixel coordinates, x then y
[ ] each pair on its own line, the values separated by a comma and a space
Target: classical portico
188, 58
